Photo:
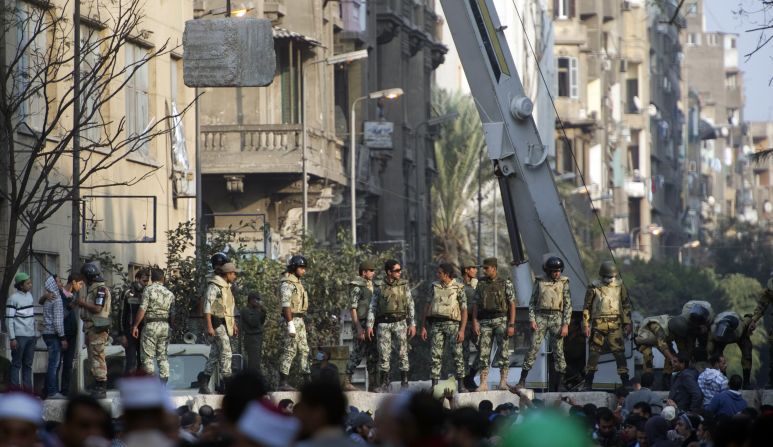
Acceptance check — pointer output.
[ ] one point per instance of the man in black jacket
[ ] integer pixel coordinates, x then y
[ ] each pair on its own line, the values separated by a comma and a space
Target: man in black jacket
130, 304
685, 393
253, 318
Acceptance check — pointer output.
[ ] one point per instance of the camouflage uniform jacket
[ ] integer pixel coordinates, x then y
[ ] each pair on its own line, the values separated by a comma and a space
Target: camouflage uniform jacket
606, 300
542, 298
763, 302
360, 295
390, 289
157, 302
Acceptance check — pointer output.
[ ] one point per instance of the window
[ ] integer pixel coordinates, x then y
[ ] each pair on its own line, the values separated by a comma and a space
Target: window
731, 80
92, 131
567, 77
137, 113
711, 39
563, 9
694, 39
31, 32
632, 103
40, 266
289, 64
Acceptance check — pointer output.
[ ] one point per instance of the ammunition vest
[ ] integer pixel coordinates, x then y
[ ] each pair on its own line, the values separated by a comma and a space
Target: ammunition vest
469, 291
551, 293
299, 301
223, 307
607, 299
394, 299
444, 301
493, 297
366, 293
91, 297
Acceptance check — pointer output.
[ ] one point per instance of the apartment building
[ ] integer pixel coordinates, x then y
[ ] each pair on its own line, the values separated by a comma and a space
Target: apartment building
126, 208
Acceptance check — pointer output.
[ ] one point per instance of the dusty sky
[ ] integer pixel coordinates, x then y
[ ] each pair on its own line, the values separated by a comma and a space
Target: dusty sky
722, 15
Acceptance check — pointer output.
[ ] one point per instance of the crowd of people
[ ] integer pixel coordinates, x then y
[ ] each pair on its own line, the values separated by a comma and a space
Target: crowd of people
322, 417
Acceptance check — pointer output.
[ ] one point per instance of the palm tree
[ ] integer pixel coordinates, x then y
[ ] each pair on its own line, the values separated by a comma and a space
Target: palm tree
457, 153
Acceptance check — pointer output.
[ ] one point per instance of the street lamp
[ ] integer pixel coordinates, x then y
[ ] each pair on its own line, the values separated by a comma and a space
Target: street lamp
390, 93
655, 230
690, 244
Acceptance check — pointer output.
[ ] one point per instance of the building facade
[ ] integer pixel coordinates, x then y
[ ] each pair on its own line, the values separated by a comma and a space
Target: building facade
127, 207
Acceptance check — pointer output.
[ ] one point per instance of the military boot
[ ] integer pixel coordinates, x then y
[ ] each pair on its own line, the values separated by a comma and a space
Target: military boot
522, 380
589, 380
747, 379
433, 383
99, 390
469, 380
164, 380
374, 381
385, 384
404, 380
347, 385
559, 382
284, 385
483, 380
460, 388
625, 379
503, 378
306, 378
204, 384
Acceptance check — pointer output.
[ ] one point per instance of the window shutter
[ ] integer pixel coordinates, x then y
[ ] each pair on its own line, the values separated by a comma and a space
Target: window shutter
555, 7
573, 81
570, 7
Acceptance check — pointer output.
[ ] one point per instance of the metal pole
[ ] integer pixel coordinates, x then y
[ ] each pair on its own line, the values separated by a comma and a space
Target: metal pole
199, 196
480, 199
76, 137
304, 154
228, 8
352, 170
495, 222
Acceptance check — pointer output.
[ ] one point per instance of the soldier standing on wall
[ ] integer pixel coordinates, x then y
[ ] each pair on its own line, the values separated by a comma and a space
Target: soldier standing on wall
361, 292
155, 311
550, 310
446, 313
607, 313
95, 313
470, 281
493, 318
392, 314
219, 305
295, 302
130, 304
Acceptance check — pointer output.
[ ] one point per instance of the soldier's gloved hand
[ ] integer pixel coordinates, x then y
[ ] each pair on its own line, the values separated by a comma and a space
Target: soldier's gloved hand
291, 328
565, 330
533, 325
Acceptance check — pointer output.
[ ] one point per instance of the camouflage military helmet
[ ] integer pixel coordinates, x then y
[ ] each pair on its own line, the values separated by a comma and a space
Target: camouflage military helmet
91, 272
608, 269
678, 326
553, 264
367, 265
645, 338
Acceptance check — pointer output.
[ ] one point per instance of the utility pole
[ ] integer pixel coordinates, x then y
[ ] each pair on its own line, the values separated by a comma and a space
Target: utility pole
480, 199
76, 140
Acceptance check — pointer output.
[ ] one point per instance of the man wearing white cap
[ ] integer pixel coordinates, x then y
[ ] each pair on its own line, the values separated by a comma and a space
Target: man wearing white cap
20, 417
264, 425
146, 405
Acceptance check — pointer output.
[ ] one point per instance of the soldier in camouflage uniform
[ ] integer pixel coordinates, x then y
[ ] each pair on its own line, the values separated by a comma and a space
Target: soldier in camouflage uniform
392, 316
155, 310
606, 314
130, 304
729, 328
550, 310
295, 303
219, 305
360, 293
95, 313
493, 318
470, 281
763, 302
699, 316
654, 332
446, 313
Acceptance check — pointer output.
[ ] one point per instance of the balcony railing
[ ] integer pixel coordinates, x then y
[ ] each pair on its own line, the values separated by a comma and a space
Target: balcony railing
251, 137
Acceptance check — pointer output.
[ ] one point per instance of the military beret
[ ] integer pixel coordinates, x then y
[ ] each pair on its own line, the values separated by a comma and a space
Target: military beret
490, 262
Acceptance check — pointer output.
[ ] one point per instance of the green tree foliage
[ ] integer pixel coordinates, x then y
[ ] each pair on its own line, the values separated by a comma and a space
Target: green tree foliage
457, 152
742, 248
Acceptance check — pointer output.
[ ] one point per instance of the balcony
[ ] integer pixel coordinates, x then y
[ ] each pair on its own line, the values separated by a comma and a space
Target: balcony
269, 149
